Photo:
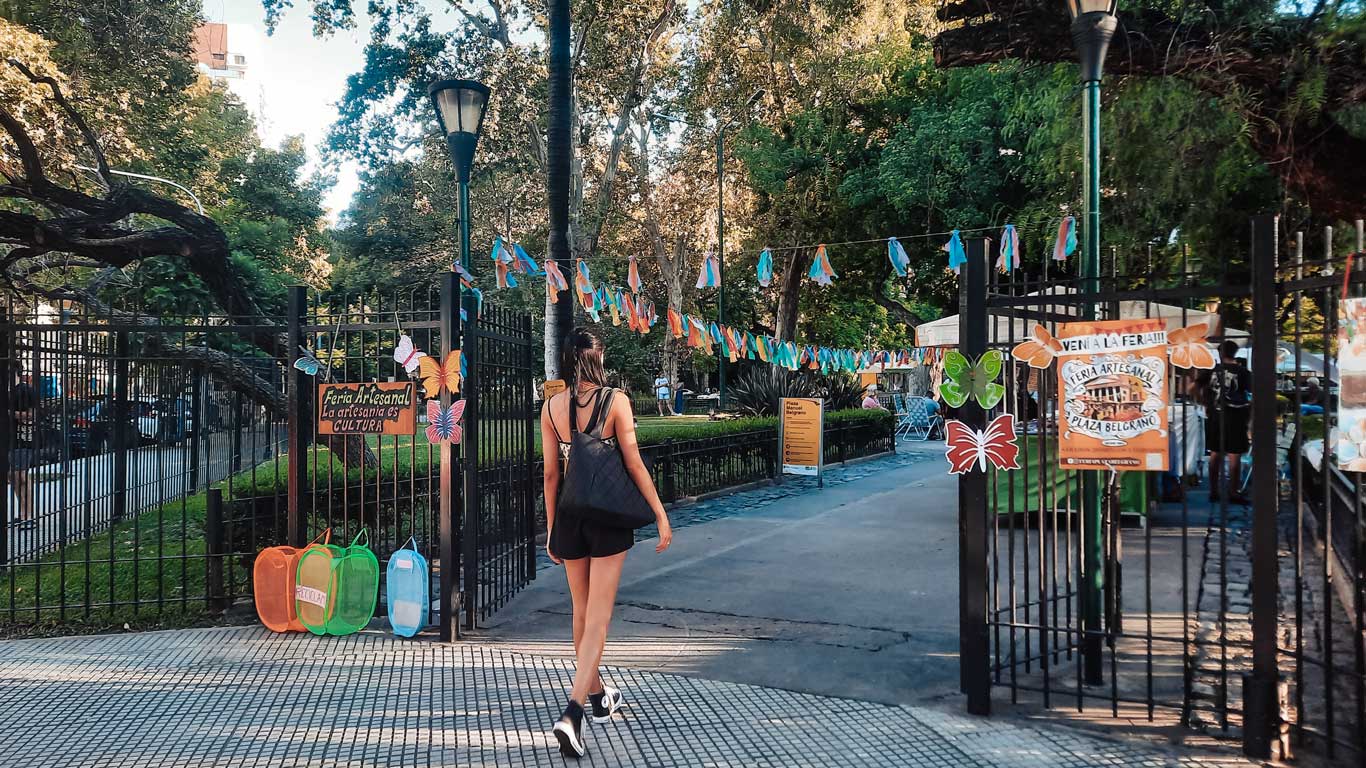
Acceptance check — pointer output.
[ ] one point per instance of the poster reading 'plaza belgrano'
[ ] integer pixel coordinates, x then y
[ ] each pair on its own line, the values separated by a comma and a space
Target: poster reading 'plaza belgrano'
1113, 378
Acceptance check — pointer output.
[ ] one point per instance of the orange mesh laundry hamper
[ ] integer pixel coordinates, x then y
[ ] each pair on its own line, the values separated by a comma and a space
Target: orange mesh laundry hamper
273, 577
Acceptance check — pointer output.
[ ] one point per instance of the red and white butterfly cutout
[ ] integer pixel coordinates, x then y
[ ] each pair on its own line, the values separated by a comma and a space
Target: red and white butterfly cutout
443, 424
968, 448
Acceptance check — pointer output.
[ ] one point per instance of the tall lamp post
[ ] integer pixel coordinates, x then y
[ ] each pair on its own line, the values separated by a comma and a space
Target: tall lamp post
1093, 26
721, 233
460, 106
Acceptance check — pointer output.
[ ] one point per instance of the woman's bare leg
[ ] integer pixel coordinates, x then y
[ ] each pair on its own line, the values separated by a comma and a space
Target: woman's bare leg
602, 597
577, 572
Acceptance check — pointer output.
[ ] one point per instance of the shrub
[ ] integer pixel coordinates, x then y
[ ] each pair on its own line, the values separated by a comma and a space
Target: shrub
758, 390
841, 392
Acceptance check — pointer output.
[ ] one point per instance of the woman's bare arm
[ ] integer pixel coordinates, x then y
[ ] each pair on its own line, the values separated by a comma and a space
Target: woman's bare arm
625, 430
550, 456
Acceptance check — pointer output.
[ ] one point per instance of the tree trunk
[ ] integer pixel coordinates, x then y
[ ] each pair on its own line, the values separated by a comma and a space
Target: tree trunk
785, 320
559, 317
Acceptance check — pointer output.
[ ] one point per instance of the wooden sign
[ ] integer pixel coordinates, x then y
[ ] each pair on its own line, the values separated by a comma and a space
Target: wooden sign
1112, 375
801, 434
370, 408
552, 387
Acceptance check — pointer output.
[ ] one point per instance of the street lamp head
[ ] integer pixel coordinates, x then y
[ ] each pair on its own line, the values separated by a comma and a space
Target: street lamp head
759, 94
1093, 26
460, 106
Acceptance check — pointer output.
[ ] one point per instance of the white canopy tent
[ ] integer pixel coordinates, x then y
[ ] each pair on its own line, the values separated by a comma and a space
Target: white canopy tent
944, 331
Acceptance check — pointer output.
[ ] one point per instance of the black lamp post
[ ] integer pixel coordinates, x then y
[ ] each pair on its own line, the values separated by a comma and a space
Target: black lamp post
460, 106
1093, 26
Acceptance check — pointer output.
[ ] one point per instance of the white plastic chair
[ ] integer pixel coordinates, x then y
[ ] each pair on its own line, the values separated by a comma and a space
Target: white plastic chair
918, 421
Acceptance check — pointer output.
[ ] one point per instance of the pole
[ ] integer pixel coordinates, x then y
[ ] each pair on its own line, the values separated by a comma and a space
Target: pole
299, 418
465, 224
1260, 687
449, 550
973, 640
1093, 546
721, 252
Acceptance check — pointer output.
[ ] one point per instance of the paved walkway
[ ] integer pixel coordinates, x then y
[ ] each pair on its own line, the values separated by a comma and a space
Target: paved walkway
245, 697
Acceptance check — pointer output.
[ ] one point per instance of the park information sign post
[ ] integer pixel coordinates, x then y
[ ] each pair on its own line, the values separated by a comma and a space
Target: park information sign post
801, 436
371, 408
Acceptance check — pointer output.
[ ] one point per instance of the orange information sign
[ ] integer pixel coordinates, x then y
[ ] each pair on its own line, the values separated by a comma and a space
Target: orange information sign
1113, 378
369, 408
801, 435
552, 387
867, 379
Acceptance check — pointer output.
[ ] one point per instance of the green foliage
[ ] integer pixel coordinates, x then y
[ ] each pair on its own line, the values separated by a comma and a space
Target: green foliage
759, 390
842, 391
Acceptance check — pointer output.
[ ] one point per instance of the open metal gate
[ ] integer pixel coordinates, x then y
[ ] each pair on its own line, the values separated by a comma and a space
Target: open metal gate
1135, 592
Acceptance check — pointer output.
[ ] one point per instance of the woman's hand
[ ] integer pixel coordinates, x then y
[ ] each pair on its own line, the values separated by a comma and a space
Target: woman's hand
666, 532
553, 559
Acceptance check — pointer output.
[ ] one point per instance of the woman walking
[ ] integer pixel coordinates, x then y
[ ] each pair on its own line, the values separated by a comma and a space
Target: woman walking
591, 550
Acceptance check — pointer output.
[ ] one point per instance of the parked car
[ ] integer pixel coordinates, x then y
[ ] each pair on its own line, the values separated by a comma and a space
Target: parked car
92, 431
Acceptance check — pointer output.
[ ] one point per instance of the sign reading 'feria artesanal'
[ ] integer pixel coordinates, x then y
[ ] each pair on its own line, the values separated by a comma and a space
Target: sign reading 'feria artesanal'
801, 435
1113, 378
370, 408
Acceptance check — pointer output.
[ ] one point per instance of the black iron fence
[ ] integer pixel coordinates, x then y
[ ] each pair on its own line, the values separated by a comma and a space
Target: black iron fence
1232, 606
150, 459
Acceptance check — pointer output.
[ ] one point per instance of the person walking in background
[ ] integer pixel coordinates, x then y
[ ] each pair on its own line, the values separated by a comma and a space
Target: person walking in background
592, 553
1228, 405
22, 401
662, 395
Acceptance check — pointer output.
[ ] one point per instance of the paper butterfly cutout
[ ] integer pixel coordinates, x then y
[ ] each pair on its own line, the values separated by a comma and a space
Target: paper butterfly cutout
977, 380
1188, 349
437, 376
966, 447
706, 276
406, 355
308, 364
443, 424
1039, 351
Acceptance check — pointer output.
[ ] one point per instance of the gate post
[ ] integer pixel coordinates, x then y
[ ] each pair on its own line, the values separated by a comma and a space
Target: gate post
449, 552
973, 641
1260, 688
7, 317
298, 418
119, 431
470, 452
533, 422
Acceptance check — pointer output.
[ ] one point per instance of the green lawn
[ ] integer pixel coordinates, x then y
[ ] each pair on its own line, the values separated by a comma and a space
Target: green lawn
169, 541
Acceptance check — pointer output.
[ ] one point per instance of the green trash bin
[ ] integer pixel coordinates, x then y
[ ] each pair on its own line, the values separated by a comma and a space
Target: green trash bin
340, 586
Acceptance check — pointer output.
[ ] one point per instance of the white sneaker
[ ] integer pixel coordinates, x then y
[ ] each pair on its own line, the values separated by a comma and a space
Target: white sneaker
605, 704
569, 731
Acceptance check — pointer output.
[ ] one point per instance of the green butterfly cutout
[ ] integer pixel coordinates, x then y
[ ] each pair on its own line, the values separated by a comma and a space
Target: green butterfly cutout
963, 378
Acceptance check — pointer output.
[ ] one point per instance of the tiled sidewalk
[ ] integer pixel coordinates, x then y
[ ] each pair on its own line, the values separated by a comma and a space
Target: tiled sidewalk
245, 697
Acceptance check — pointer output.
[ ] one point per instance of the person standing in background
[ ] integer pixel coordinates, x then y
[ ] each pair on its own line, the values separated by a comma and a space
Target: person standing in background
22, 402
662, 395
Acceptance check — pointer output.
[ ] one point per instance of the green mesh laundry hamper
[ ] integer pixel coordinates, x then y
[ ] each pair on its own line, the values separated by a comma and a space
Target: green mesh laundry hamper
356, 585
351, 592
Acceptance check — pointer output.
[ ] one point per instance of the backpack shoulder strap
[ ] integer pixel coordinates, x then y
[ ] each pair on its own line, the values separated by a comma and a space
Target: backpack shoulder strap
595, 420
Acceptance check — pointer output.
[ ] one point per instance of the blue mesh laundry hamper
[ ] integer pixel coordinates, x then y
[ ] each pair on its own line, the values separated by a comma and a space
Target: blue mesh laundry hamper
408, 584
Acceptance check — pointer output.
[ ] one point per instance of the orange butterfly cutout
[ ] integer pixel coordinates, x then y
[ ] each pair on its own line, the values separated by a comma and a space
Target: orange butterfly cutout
1188, 348
436, 375
1038, 351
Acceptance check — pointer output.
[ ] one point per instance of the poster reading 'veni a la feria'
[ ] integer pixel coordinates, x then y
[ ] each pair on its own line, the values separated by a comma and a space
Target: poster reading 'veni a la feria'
1112, 375
1350, 446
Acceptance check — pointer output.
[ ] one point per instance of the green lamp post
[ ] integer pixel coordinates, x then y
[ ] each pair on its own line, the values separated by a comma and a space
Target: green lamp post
460, 106
1093, 26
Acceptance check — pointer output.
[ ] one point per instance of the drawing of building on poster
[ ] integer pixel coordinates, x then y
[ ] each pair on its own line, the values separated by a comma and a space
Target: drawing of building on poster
1113, 378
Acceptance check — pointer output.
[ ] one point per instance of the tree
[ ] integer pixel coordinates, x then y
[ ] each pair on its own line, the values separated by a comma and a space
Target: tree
1298, 78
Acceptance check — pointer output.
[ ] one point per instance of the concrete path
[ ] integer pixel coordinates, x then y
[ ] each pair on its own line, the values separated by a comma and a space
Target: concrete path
848, 591
245, 697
